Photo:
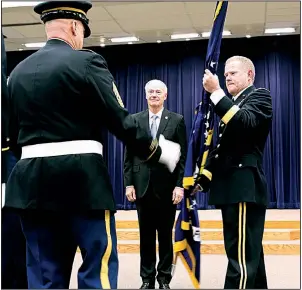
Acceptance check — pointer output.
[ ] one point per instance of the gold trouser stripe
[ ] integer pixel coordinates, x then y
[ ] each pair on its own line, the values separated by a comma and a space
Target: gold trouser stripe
66, 9
104, 263
230, 114
241, 245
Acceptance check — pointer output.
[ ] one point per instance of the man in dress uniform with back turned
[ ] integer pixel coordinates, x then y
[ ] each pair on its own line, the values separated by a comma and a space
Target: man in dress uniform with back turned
155, 189
234, 170
60, 97
13, 258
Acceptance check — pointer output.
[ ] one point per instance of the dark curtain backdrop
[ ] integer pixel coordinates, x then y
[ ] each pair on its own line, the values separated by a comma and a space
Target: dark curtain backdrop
180, 65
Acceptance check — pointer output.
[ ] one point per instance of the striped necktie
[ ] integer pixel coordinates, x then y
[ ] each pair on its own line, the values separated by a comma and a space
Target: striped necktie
154, 126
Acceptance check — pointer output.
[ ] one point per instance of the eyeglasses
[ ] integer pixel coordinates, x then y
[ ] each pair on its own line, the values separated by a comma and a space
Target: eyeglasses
157, 92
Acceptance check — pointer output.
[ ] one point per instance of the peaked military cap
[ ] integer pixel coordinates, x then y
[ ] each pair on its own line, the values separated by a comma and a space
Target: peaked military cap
51, 10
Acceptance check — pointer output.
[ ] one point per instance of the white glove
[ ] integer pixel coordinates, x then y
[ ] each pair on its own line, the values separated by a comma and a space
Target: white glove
3, 187
170, 153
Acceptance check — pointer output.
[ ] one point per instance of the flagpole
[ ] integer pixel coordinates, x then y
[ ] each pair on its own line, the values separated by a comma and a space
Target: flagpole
187, 243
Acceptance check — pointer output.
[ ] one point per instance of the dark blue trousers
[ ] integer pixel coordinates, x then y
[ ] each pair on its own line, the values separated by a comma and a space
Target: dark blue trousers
13, 244
52, 240
13, 252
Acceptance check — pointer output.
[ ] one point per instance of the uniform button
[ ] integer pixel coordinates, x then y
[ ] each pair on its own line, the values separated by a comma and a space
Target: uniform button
221, 125
218, 145
240, 165
216, 156
220, 135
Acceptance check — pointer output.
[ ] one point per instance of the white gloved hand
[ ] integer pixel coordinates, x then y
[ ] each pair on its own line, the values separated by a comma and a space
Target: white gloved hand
3, 185
170, 153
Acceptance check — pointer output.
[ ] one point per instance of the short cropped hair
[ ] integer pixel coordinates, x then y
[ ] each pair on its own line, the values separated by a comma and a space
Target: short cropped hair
247, 63
156, 84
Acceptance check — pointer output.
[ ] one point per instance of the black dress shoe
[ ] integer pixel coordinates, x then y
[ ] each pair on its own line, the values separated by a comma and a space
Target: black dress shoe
164, 286
147, 285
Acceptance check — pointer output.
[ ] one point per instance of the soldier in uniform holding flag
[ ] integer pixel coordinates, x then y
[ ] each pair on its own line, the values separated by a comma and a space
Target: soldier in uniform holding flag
60, 97
234, 171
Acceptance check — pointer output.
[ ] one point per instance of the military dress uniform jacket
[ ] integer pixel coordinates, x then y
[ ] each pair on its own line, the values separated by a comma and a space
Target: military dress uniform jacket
234, 169
4, 113
60, 94
141, 174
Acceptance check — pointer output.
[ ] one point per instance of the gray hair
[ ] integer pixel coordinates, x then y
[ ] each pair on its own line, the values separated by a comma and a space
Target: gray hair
156, 84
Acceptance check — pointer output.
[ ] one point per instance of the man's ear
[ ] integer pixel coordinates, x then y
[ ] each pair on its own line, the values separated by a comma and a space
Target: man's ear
250, 74
74, 28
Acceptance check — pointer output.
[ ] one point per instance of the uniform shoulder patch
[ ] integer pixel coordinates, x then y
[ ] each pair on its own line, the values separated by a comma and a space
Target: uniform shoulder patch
117, 94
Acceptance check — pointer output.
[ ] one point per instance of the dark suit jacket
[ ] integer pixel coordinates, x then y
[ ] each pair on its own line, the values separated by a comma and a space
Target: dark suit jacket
141, 175
234, 170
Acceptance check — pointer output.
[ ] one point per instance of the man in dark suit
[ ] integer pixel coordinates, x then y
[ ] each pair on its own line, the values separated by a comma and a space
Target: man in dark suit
60, 97
156, 190
13, 246
234, 171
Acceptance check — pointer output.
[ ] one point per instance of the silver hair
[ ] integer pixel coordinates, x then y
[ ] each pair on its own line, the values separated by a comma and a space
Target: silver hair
156, 84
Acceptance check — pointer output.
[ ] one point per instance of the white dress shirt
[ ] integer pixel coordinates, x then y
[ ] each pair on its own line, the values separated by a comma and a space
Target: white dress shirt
157, 120
159, 114
219, 94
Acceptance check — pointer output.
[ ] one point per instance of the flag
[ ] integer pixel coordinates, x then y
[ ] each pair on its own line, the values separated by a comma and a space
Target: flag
187, 229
